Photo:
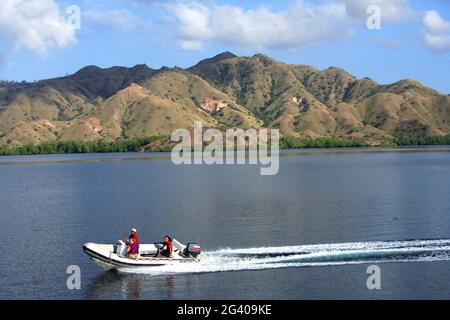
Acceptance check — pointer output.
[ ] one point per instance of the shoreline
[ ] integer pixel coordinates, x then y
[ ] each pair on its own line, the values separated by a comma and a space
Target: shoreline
164, 144
282, 151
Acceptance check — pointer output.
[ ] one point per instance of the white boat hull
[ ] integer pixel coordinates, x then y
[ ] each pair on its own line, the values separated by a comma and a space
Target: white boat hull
106, 256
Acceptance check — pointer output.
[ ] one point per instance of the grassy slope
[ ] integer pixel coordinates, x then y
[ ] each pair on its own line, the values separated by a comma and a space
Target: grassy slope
121, 103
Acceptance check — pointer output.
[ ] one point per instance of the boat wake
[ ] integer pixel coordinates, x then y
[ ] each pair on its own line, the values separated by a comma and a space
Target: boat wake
308, 255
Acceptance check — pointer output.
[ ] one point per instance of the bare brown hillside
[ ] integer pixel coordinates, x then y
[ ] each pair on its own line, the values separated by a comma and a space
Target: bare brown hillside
224, 91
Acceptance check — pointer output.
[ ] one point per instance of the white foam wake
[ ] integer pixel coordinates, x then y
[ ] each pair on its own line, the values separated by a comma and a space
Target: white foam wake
308, 255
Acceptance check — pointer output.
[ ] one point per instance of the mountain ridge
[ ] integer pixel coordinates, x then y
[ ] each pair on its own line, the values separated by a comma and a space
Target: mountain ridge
225, 91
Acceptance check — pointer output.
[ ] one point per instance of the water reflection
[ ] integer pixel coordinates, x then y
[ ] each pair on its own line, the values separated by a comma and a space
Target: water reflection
158, 156
116, 285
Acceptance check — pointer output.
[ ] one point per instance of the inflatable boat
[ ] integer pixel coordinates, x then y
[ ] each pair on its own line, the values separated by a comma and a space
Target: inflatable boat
113, 256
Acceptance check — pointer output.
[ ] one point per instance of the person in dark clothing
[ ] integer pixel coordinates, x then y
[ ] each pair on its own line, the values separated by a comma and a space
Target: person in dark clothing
167, 248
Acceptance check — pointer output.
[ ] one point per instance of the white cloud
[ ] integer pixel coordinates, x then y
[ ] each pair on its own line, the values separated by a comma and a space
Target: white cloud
391, 10
435, 23
118, 20
258, 28
35, 25
190, 44
436, 32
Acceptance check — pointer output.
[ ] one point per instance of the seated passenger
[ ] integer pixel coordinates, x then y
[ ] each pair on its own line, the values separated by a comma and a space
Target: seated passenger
133, 249
166, 250
132, 235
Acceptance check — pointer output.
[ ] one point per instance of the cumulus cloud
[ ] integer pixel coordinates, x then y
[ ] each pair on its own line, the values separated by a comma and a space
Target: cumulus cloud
262, 27
436, 32
37, 25
391, 10
118, 20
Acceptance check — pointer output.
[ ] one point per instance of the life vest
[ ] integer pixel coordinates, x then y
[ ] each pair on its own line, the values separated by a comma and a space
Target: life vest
169, 246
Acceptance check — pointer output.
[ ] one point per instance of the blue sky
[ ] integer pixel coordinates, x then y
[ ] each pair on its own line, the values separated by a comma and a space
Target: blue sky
38, 38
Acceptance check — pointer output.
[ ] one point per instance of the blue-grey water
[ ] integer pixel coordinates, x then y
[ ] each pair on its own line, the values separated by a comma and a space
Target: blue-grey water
51, 205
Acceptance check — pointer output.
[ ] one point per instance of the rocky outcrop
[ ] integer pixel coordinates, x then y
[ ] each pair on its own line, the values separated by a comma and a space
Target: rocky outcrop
300, 102
297, 100
94, 124
213, 105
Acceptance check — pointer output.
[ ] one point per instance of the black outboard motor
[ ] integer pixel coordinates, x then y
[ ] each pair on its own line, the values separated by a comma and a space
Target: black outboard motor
192, 250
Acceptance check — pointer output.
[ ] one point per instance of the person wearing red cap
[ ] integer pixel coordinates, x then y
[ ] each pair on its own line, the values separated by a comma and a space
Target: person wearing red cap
133, 235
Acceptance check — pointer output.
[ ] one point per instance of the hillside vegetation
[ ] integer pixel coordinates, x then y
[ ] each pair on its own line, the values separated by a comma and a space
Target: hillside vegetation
226, 91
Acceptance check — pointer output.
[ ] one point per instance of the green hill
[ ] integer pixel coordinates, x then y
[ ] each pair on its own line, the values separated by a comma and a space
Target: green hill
224, 91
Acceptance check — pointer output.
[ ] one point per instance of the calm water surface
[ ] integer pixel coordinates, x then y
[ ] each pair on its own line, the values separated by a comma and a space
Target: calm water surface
51, 205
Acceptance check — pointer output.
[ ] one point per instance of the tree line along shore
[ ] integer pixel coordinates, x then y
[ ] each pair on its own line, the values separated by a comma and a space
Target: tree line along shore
163, 144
